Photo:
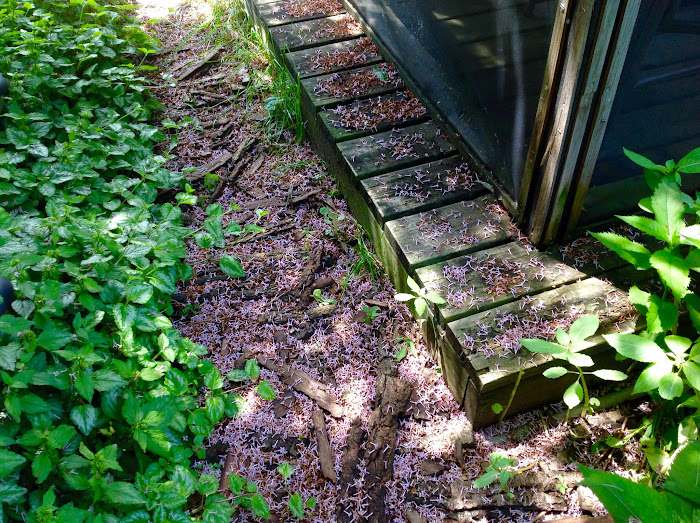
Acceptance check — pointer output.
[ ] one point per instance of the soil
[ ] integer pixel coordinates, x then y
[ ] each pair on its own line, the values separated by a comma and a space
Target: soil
394, 445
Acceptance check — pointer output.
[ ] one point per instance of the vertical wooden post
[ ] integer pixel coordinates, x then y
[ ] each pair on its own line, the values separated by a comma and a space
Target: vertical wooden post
554, 154
602, 112
601, 48
557, 50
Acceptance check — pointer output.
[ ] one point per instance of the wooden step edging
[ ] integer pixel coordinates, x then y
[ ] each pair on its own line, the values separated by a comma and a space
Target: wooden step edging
430, 218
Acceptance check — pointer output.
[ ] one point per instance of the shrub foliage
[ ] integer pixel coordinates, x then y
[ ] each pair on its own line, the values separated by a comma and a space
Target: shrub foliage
105, 405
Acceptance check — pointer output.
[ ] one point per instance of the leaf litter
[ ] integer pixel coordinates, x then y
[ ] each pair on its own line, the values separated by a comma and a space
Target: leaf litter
437, 454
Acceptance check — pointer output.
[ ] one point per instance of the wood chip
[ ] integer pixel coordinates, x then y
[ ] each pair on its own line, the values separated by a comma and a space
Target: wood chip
201, 65
349, 469
302, 382
325, 454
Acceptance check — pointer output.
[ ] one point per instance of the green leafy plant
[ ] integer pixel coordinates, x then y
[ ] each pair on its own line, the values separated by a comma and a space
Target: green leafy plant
251, 371
245, 493
296, 504
500, 467
318, 296
569, 350
105, 405
405, 345
677, 501
332, 219
420, 297
672, 372
370, 313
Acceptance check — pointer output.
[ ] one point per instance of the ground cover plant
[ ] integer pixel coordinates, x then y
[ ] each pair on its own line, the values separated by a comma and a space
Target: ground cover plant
105, 404
668, 348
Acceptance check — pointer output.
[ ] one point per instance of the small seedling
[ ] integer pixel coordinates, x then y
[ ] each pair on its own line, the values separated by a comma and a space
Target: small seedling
420, 297
321, 300
333, 220
500, 466
568, 350
285, 470
370, 313
251, 371
404, 346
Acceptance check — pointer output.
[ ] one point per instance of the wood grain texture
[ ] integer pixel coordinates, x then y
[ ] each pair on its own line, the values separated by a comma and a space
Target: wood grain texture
421, 188
395, 149
449, 231
312, 33
274, 13
306, 63
493, 277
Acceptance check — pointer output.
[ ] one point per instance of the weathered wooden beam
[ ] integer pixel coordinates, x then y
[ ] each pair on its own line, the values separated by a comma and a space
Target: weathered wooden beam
333, 57
395, 149
449, 231
422, 188
312, 33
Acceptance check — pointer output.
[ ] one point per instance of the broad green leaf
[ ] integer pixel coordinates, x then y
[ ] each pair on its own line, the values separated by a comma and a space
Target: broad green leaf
542, 346
85, 418
610, 375
11, 493
9, 355
123, 493
403, 296
207, 484
554, 372
61, 435
647, 226
669, 209
10, 324
53, 339
635, 347
9, 461
678, 345
673, 271
106, 380
215, 405
642, 161
486, 479
296, 506
583, 328
285, 469
684, 476
690, 235
151, 374
259, 506
563, 337
420, 305
573, 395
578, 359
690, 163
630, 251
670, 386
650, 377
625, 499
691, 371
139, 293
412, 284
41, 467
85, 386
252, 368
265, 391
231, 266
661, 315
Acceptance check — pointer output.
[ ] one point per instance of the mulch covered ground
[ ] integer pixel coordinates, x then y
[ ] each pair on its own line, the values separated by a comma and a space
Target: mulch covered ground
399, 449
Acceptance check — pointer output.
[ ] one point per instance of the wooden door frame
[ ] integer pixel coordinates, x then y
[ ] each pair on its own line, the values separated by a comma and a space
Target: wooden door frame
562, 169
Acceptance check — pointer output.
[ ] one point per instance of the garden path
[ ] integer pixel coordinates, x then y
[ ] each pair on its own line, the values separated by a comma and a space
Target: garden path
316, 312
